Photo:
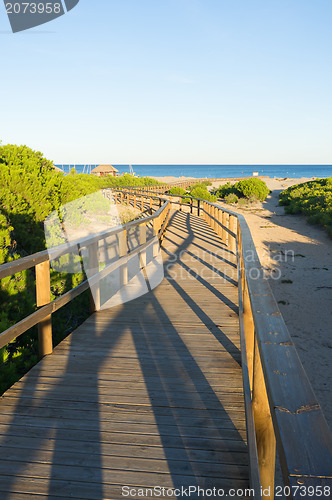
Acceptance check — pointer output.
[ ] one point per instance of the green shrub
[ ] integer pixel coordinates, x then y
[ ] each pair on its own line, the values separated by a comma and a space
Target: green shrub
202, 193
231, 198
313, 198
227, 189
203, 185
243, 202
252, 189
30, 189
178, 191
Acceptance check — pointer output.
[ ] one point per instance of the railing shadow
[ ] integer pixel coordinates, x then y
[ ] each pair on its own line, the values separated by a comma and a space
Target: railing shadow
129, 396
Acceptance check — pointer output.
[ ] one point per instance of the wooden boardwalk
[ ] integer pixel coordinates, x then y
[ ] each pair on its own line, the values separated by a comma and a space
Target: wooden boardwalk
145, 394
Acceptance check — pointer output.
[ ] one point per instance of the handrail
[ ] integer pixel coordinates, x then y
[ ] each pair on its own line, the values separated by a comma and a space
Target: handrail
41, 262
281, 408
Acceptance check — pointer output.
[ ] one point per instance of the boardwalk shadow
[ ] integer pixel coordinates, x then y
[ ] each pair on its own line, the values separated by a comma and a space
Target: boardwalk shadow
144, 394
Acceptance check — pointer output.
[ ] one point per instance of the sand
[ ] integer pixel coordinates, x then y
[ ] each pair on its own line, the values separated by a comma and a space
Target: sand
169, 179
302, 254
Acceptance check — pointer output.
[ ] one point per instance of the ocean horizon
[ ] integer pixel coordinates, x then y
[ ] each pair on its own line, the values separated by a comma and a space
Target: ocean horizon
212, 171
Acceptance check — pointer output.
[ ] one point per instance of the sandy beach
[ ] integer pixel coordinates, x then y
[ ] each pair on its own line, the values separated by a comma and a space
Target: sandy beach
298, 257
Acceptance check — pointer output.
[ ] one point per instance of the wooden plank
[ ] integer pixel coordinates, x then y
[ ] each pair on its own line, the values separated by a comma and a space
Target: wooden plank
84, 490
90, 475
134, 427
187, 422
129, 463
100, 407
118, 384
173, 401
124, 450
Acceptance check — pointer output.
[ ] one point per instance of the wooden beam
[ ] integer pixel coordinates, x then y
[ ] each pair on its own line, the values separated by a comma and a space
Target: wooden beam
43, 292
123, 251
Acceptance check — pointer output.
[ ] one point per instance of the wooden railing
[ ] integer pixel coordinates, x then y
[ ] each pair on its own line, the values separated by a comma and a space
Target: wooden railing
158, 188
41, 262
281, 407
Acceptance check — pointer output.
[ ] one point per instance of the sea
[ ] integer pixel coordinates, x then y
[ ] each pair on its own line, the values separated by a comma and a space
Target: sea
214, 171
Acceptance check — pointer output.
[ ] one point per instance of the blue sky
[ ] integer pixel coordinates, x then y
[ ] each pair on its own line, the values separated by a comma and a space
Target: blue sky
172, 81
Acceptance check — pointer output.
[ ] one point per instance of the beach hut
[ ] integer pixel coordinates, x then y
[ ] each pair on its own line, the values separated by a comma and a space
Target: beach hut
103, 170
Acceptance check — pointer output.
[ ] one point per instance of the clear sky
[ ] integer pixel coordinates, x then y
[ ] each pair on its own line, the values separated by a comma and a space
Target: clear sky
172, 81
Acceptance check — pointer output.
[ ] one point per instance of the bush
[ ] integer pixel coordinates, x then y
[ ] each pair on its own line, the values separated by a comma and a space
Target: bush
125, 180
243, 202
202, 193
231, 198
227, 189
30, 189
313, 198
203, 185
252, 189
200, 190
178, 191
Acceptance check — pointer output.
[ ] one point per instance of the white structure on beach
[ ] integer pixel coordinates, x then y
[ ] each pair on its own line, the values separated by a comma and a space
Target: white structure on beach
103, 170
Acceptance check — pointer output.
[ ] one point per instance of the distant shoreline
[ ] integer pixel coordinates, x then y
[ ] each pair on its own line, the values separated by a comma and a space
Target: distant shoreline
214, 171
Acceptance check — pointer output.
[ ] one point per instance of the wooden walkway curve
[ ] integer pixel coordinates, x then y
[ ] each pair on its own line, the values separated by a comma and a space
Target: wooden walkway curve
144, 394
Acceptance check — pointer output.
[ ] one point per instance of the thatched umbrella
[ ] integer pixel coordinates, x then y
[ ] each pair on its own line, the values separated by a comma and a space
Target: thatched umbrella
103, 170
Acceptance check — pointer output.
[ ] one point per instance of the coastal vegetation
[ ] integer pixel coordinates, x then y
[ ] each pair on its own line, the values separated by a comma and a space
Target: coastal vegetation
247, 189
177, 191
312, 198
198, 190
30, 190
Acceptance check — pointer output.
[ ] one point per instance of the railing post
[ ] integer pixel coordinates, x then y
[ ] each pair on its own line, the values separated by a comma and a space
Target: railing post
265, 437
142, 203
134, 200
191, 205
220, 213
232, 239
155, 233
94, 269
123, 250
210, 215
43, 292
121, 198
224, 223
198, 208
249, 328
150, 203
142, 240
215, 222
